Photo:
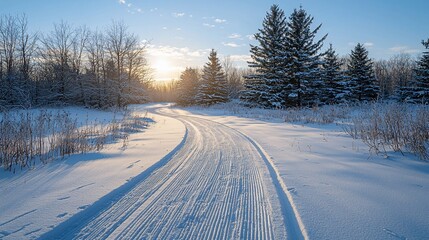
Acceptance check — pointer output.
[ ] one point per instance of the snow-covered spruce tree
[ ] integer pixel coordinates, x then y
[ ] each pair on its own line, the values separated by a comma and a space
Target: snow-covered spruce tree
333, 89
268, 59
361, 81
188, 87
303, 61
419, 91
213, 87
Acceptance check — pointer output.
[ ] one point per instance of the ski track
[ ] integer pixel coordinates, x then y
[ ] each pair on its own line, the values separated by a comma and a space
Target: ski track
216, 186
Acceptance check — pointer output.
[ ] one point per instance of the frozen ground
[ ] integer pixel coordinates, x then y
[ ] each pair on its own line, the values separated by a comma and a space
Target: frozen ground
205, 173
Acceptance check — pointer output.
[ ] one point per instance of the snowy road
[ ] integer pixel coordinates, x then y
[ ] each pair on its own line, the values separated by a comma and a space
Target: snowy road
216, 185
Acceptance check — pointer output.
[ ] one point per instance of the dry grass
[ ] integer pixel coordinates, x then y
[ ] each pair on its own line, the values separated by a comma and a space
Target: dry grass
26, 139
399, 127
323, 115
381, 126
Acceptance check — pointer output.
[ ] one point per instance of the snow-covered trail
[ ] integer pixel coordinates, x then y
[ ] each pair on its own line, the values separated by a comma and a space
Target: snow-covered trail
215, 186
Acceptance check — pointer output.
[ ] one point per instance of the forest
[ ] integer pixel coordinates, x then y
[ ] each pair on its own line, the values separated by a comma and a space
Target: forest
288, 69
70, 66
107, 67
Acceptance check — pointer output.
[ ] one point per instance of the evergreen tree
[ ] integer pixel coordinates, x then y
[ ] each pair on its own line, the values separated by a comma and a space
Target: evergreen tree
213, 88
188, 87
333, 78
303, 61
419, 91
268, 59
361, 79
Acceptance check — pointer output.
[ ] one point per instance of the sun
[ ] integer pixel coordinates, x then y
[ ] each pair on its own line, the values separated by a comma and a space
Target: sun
162, 66
164, 69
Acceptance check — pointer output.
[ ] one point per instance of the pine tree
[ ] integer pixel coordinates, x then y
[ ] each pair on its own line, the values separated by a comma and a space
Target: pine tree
361, 79
333, 78
213, 88
268, 59
304, 59
419, 91
188, 87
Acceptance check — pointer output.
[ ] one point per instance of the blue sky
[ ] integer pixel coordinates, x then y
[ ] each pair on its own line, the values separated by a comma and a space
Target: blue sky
181, 32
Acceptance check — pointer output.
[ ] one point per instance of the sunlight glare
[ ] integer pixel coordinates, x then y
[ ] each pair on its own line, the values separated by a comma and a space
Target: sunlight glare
162, 66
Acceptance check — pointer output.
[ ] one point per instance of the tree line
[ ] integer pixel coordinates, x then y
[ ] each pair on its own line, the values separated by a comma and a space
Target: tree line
217, 82
288, 69
70, 66
292, 71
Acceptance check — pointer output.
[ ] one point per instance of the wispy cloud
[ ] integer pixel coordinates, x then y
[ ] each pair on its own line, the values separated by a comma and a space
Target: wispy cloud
231, 44
130, 7
177, 58
235, 36
174, 52
218, 20
180, 14
251, 37
208, 25
403, 49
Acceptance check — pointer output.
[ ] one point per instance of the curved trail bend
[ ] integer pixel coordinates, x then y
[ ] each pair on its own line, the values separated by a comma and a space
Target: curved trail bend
216, 185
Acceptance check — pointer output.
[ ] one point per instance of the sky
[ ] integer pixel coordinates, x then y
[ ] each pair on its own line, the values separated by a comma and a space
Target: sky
180, 33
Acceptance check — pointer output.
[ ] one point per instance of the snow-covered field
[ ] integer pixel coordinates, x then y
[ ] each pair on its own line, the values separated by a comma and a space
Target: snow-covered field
34, 202
198, 188
340, 190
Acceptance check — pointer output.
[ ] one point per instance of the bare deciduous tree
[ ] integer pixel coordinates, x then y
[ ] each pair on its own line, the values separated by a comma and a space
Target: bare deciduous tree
234, 77
394, 73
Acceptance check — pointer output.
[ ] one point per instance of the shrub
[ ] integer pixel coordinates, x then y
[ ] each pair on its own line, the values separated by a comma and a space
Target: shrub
27, 138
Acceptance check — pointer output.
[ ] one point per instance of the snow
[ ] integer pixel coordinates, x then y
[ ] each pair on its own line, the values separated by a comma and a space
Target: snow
320, 181
215, 186
34, 202
340, 190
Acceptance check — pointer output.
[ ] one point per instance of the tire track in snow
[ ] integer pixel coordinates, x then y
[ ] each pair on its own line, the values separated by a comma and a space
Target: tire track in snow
216, 186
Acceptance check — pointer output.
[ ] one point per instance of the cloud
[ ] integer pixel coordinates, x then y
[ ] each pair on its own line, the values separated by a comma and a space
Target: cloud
235, 36
177, 58
231, 44
208, 25
218, 20
174, 52
403, 49
122, 1
195, 53
153, 9
181, 14
251, 37
164, 28
178, 29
